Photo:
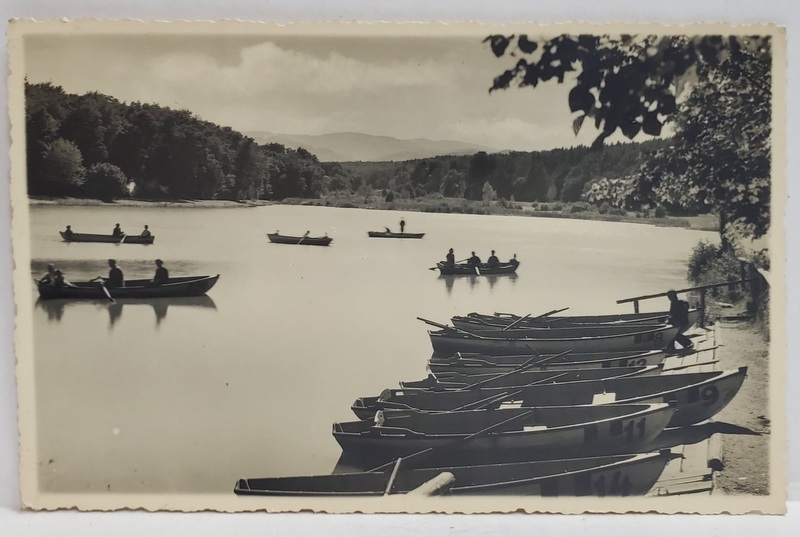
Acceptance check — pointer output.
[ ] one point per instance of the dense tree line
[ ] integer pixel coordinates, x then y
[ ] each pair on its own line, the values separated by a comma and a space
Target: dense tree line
95, 146
565, 174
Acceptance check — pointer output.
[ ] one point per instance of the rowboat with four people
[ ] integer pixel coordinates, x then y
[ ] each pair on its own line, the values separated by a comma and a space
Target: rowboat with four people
174, 287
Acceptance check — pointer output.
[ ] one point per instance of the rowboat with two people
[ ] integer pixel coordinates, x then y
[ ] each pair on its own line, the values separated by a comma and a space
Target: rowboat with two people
697, 396
610, 475
306, 240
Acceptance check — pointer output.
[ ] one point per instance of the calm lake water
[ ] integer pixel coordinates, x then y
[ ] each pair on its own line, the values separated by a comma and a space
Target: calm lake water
189, 395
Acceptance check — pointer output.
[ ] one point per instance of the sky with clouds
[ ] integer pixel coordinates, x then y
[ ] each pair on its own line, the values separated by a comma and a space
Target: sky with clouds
422, 87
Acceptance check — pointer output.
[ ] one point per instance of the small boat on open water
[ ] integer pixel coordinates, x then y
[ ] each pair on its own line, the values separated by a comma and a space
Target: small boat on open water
612, 475
465, 269
302, 240
91, 237
174, 287
394, 235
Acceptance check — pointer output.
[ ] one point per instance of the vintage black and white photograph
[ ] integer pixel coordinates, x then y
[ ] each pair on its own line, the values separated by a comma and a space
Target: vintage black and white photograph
399, 267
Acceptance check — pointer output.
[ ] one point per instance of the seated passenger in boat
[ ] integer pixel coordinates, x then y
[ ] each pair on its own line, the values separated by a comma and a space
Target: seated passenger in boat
115, 276
474, 261
146, 232
68, 232
117, 232
450, 258
514, 261
60, 281
50, 276
493, 262
162, 274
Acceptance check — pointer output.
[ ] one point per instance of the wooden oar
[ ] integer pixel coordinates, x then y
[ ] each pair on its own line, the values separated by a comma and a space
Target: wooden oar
549, 313
122, 239
445, 327
107, 293
521, 368
457, 262
456, 441
515, 322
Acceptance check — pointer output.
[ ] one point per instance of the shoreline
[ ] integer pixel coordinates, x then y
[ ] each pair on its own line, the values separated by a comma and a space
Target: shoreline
444, 205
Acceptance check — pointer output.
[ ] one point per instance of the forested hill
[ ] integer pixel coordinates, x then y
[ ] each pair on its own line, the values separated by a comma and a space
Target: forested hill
557, 174
95, 146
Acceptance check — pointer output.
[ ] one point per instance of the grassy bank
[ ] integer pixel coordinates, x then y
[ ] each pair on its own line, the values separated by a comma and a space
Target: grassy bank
131, 202
576, 210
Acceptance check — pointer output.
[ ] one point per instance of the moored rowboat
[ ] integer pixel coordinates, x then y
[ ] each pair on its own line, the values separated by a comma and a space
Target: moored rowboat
525, 377
697, 396
92, 237
475, 320
537, 432
449, 342
392, 235
174, 287
612, 475
307, 241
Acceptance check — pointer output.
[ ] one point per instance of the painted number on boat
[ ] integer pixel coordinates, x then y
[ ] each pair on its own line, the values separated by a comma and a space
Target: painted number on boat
632, 430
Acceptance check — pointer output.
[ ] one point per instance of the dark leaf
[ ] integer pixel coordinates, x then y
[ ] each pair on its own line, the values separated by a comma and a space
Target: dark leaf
525, 45
502, 81
666, 105
651, 125
580, 98
499, 43
598, 142
630, 129
531, 76
577, 123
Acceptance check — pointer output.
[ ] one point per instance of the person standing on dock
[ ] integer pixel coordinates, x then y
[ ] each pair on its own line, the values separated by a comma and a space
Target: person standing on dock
450, 259
474, 261
117, 231
679, 316
402, 225
146, 232
492, 262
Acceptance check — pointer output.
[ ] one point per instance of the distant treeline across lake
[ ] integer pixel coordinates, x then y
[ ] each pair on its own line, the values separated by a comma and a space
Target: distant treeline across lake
95, 146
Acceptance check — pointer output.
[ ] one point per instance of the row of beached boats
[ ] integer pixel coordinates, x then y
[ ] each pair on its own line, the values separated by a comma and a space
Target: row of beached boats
550, 422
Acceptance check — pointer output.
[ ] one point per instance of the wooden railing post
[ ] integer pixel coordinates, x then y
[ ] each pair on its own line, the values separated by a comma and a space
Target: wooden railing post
635, 306
702, 308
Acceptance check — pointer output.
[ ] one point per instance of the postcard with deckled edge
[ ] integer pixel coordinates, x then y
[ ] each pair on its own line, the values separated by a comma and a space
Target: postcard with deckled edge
420, 268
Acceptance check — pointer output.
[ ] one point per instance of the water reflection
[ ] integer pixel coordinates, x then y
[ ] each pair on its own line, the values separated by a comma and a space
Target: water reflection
448, 282
474, 279
55, 308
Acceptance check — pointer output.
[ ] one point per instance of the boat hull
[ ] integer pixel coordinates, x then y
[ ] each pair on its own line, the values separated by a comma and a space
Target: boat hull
615, 475
483, 270
539, 432
476, 320
91, 237
303, 241
696, 396
390, 235
175, 287
449, 342
479, 364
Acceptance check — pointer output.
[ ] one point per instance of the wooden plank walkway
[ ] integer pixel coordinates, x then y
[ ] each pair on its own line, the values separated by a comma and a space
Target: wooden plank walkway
693, 473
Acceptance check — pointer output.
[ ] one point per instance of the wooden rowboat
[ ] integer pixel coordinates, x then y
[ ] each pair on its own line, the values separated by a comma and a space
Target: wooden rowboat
306, 241
475, 320
697, 396
175, 287
449, 342
575, 331
612, 475
471, 364
526, 377
392, 235
570, 431
91, 237
463, 269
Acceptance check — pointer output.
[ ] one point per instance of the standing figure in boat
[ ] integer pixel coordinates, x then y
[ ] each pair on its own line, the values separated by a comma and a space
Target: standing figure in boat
679, 316
117, 231
492, 262
402, 225
162, 274
146, 232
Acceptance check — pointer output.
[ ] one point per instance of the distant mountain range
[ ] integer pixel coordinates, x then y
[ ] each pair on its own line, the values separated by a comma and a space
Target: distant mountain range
353, 146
